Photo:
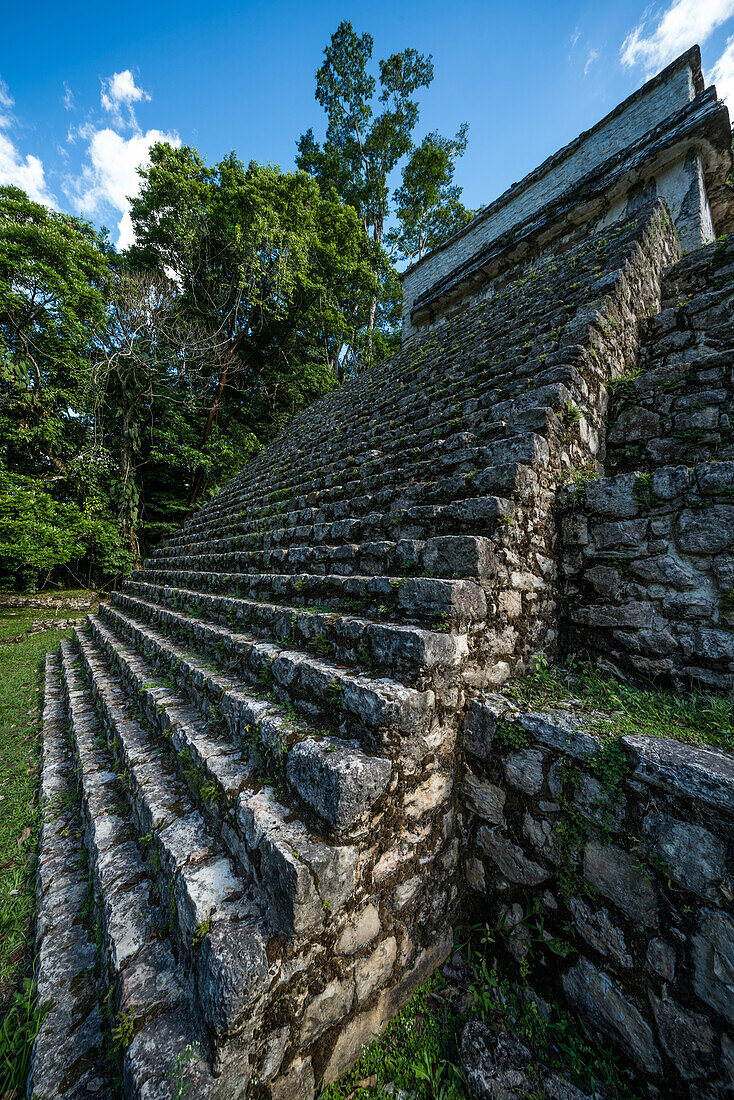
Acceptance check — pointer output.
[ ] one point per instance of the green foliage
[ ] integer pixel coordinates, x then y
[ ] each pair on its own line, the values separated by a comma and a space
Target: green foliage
39, 533
18, 1029
428, 203
419, 1051
21, 667
614, 709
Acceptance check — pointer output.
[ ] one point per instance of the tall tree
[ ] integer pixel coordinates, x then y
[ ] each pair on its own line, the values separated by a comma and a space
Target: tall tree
54, 277
363, 147
428, 203
278, 278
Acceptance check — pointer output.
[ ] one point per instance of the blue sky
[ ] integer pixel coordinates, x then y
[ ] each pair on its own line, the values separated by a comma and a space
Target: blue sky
87, 87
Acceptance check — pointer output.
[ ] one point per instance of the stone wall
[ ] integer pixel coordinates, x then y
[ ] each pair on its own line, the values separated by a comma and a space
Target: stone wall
669, 139
647, 554
649, 574
608, 875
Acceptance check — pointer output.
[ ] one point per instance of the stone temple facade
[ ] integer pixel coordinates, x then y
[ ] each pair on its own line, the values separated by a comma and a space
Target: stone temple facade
277, 768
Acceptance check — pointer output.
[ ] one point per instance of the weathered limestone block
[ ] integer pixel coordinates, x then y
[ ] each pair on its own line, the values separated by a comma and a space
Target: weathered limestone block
684, 770
362, 1029
510, 858
594, 993
362, 928
713, 954
297, 1083
338, 780
617, 875
524, 770
232, 970
661, 957
687, 1037
692, 855
326, 1009
373, 972
484, 798
706, 531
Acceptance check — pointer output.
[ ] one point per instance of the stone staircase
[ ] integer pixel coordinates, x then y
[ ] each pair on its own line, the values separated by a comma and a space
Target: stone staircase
249, 852
677, 409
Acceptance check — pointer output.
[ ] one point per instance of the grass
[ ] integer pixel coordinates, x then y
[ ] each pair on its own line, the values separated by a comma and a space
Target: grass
615, 709
419, 1052
21, 701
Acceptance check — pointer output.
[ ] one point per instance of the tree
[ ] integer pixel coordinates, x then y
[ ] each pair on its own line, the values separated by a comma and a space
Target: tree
54, 275
428, 203
362, 148
275, 279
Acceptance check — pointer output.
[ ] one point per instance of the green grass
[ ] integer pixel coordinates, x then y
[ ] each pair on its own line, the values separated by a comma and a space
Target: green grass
615, 709
21, 704
420, 1049
17, 620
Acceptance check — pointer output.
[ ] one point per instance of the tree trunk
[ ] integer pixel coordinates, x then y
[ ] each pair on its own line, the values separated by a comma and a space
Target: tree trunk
129, 490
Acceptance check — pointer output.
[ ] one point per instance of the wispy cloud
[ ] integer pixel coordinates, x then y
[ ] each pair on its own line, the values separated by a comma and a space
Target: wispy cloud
654, 43
120, 93
575, 37
591, 57
15, 169
722, 74
109, 178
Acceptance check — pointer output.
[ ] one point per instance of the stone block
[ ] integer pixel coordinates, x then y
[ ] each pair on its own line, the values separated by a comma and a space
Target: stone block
693, 856
510, 858
689, 771
373, 972
687, 1038
661, 957
429, 795
485, 799
706, 530
600, 932
326, 1009
595, 995
560, 730
613, 496
713, 958
361, 929
617, 875
524, 770
297, 1083
362, 1030
338, 780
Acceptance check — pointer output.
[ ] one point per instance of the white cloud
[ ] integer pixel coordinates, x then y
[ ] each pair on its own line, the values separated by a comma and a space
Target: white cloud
722, 75
120, 91
110, 176
24, 172
6, 100
575, 37
590, 59
682, 24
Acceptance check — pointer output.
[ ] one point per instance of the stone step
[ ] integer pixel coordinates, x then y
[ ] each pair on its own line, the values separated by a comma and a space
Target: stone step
154, 1023
383, 712
483, 514
233, 737
429, 480
447, 556
381, 647
437, 603
301, 876
67, 1058
399, 449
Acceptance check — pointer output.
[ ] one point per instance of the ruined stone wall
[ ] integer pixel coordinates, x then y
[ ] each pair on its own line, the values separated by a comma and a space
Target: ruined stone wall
610, 875
648, 554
